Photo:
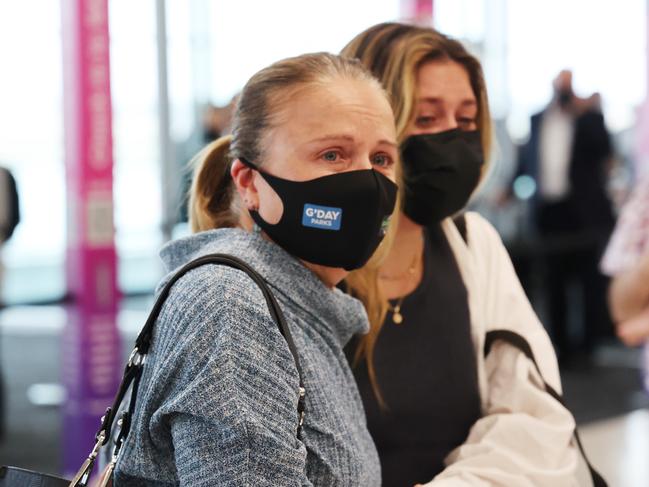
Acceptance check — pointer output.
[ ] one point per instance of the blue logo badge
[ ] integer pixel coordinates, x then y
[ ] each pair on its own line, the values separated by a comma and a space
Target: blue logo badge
323, 217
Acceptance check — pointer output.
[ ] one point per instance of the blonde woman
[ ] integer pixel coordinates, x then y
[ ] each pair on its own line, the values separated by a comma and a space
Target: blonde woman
311, 162
438, 409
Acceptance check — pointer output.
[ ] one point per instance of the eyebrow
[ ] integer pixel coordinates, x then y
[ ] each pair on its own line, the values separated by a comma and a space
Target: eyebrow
349, 138
388, 142
434, 100
333, 137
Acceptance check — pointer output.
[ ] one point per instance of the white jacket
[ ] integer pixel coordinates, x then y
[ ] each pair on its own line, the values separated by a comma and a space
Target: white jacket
524, 438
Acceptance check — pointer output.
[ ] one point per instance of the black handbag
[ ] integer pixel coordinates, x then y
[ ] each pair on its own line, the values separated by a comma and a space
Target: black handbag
17, 477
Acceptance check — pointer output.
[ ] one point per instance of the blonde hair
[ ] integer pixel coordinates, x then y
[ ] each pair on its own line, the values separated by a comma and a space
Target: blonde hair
393, 53
213, 199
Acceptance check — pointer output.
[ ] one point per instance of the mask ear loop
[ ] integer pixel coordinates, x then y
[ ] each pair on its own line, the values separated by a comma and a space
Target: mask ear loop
246, 162
250, 165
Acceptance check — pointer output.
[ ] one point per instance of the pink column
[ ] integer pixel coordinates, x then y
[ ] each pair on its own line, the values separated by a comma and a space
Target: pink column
417, 11
90, 345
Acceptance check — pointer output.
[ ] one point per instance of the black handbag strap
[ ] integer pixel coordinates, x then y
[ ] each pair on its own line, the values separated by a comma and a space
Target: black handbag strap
134, 367
517, 341
460, 223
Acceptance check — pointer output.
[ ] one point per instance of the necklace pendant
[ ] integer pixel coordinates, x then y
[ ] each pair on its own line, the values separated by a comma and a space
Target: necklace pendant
397, 318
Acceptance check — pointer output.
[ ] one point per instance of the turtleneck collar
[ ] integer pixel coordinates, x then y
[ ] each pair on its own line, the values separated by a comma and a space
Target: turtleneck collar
343, 315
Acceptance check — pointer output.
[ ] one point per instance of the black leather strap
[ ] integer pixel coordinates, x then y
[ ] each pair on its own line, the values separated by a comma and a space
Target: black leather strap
460, 223
133, 371
517, 341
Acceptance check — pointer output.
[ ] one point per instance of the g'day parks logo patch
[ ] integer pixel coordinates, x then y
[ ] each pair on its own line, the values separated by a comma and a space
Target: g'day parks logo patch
323, 217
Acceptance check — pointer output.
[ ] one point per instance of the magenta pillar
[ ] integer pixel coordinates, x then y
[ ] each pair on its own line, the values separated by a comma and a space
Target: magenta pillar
418, 11
90, 344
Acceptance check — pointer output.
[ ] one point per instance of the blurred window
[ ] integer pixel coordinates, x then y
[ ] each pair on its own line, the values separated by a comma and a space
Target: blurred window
31, 146
213, 46
525, 43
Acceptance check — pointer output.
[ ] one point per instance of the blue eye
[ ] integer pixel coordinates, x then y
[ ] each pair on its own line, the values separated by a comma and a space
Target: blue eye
331, 156
425, 121
467, 122
382, 160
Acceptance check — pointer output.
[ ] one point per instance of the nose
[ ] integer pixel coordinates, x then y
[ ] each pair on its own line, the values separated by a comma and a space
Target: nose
366, 164
448, 122
362, 162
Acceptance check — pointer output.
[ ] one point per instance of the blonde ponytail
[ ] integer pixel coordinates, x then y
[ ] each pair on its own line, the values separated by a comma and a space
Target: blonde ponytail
212, 197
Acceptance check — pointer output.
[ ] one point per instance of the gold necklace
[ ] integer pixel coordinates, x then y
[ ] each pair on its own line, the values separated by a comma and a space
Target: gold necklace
409, 272
397, 317
412, 268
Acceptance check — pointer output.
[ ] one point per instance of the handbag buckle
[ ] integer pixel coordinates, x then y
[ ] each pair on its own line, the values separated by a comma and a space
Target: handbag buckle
136, 359
82, 476
302, 394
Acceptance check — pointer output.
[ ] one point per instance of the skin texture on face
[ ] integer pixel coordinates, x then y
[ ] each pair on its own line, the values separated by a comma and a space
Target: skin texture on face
444, 99
341, 125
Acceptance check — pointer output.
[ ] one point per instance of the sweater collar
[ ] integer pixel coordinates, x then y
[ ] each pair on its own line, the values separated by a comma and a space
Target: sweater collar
343, 315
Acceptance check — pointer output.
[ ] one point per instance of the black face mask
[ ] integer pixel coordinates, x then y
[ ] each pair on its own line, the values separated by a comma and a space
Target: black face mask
440, 173
335, 221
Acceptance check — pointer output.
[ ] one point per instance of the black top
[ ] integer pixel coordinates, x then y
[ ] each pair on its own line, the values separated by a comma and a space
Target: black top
427, 373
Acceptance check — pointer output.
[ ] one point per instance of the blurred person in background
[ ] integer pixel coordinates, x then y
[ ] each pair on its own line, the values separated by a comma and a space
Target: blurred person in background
627, 261
9, 213
9, 219
568, 156
438, 409
215, 122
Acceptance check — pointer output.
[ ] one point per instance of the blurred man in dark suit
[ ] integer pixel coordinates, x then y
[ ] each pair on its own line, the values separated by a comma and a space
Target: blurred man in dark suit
568, 156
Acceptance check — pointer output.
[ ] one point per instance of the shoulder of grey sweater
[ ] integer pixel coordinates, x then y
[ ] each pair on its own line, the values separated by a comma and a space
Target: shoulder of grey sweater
216, 316
214, 300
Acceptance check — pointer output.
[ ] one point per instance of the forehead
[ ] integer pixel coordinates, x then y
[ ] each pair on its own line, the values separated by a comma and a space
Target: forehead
348, 105
444, 80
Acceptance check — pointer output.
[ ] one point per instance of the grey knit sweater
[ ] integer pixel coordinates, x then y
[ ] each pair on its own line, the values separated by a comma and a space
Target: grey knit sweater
217, 404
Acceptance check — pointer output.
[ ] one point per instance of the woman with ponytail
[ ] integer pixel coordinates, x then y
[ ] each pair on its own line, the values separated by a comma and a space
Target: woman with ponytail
301, 192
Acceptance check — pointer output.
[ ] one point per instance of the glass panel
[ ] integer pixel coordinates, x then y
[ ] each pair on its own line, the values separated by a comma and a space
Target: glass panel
31, 146
134, 78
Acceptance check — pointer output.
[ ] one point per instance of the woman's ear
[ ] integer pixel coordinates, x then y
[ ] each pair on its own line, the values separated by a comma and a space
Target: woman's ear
244, 179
